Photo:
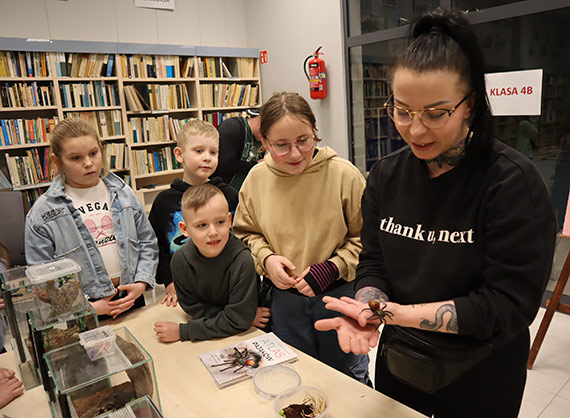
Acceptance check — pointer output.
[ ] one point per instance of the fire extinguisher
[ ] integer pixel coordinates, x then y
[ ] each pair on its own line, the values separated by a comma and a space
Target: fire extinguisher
317, 75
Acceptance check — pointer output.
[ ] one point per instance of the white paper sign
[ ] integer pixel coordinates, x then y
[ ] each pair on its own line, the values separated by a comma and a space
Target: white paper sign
155, 4
515, 92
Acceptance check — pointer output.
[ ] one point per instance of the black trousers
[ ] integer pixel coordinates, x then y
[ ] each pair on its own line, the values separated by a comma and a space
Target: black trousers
493, 388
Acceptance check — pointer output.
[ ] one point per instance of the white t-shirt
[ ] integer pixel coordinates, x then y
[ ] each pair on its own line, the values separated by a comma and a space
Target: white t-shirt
93, 203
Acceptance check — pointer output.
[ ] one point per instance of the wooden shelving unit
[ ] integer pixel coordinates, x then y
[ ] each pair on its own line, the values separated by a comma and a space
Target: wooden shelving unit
138, 102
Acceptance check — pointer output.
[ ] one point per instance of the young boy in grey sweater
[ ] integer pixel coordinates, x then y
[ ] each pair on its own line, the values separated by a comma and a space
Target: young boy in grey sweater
213, 273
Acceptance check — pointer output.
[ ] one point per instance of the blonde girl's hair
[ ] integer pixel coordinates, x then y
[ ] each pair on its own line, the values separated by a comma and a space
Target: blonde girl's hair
74, 128
195, 127
282, 104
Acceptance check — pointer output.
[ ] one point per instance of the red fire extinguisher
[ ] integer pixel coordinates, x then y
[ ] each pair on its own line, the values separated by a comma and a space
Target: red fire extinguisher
317, 75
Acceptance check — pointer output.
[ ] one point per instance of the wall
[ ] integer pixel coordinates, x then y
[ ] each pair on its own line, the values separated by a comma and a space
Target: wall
290, 31
286, 29
193, 22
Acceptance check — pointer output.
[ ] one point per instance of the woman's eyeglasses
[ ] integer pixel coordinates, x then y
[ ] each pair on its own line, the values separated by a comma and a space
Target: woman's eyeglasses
282, 148
431, 118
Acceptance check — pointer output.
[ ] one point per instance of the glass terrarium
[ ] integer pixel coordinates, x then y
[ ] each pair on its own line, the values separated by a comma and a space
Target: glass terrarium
57, 289
85, 385
56, 333
18, 297
140, 408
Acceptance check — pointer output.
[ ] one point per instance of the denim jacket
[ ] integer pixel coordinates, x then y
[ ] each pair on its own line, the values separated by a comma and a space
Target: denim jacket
54, 229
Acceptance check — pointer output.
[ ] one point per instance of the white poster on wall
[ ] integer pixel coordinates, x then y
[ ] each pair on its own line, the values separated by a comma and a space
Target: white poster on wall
155, 4
515, 92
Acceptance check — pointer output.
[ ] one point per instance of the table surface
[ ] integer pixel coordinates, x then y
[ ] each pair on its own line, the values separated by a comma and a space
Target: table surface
186, 388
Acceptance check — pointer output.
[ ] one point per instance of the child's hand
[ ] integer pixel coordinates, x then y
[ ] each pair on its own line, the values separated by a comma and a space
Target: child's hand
6, 374
2, 304
101, 306
275, 266
262, 316
171, 298
10, 389
167, 332
303, 287
134, 290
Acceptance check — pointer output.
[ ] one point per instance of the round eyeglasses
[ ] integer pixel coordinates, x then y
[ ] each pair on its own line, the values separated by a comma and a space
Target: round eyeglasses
431, 118
282, 148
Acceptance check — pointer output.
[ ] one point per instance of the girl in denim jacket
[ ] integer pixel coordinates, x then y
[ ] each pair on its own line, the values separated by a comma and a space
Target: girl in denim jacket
91, 216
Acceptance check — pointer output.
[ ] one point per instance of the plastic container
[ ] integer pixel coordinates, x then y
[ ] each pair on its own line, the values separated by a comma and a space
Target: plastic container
302, 395
57, 289
99, 342
270, 381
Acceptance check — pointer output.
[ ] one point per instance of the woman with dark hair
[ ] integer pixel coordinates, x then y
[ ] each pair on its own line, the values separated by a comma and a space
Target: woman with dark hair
458, 237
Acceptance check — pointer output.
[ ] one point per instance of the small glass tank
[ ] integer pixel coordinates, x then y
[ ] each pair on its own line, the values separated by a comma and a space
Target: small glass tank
140, 408
87, 388
57, 288
18, 296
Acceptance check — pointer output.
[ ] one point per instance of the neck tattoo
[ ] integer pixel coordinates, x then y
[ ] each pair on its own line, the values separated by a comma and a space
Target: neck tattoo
451, 157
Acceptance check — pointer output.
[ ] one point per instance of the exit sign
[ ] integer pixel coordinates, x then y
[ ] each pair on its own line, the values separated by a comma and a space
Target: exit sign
263, 57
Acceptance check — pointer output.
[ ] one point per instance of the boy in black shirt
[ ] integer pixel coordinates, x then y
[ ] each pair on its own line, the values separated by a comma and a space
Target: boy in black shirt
197, 151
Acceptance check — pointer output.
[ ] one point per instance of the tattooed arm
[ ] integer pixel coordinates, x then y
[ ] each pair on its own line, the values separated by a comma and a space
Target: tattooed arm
435, 316
370, 293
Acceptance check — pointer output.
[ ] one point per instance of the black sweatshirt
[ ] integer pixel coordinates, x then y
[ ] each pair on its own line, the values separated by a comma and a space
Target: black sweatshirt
232, 139
220, 293
165, 215
482, 235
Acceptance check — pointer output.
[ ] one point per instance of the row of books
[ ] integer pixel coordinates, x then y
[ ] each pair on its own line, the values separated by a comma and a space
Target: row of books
153, 129
115, 155
155, 66
4, 182
107, 122
148, 161
84, 65
228, 95
157, 97
24, 64
31, 168
376, 89
31, 195
216, 118
226, 67
26, 95
175, 126
89, 94
25, 131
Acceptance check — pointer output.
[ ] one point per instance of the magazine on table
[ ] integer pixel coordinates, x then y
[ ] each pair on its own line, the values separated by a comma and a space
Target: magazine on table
237, 362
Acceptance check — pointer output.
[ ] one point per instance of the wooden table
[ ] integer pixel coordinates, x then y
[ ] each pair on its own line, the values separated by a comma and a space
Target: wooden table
33, 402
186, 389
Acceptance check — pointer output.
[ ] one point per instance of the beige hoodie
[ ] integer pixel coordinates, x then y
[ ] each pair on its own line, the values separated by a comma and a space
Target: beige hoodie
309, 218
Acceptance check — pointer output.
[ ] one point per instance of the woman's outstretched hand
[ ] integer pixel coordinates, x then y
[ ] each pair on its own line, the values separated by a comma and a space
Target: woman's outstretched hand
355, 333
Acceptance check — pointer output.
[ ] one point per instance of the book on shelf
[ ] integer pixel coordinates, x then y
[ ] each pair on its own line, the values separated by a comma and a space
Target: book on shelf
237, 362
225, 70
4, 182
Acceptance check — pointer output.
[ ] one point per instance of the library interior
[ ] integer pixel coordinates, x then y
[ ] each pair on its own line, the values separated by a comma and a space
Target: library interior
158, 93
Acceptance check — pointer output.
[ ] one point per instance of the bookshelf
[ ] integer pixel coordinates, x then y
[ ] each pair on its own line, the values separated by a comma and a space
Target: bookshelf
381, 136
137, 96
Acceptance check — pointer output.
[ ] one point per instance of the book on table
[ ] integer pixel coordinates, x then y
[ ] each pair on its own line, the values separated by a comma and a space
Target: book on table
237, 362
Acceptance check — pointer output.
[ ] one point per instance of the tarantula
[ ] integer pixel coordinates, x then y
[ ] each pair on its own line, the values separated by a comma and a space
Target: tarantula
378, 312
240, 359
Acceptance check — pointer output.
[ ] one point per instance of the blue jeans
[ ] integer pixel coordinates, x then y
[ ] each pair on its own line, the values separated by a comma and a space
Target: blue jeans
294, 315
